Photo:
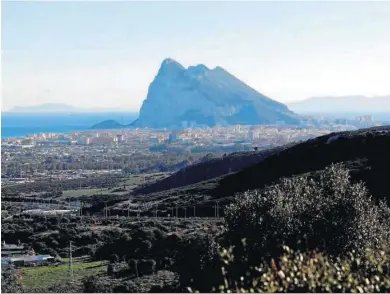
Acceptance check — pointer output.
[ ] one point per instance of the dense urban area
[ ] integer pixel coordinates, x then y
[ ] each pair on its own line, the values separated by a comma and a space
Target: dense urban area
126, 150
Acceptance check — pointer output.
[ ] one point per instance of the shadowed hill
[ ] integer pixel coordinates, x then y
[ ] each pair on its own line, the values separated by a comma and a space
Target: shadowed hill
209, 169
366, 152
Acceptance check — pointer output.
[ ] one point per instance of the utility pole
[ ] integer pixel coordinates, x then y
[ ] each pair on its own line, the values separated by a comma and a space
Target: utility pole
177, 215
128, 210
217, 214
136, 268
70, 261
185, 212
194, 210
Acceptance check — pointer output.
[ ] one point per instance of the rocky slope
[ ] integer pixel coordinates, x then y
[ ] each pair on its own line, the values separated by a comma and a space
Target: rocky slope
206, 97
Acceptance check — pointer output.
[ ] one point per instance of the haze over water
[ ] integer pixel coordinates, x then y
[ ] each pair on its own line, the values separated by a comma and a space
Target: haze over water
22, 124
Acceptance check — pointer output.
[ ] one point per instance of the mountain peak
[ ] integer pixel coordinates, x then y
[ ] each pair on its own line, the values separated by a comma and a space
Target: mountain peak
170, 66
198, 69
202, 96
219, 68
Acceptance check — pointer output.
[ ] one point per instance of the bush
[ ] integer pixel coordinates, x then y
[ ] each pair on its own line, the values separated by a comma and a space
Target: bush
198, 262
117, 269
126, 287
312, 272
93, 284
328, 212
114, 258
10, 281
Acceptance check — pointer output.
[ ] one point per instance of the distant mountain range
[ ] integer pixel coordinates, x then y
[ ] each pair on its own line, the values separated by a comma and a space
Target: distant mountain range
48, 107
342, 104
208, 97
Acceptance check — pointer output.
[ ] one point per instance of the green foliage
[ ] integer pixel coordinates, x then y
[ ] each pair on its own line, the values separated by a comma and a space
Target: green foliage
198, 262
328, 212
11, 281
327, 217
312, 272
93, 284
45, 277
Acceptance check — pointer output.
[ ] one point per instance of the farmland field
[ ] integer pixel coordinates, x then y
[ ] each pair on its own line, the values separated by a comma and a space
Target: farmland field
48, 276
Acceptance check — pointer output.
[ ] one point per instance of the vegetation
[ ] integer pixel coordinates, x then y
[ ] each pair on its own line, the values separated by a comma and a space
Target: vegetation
312, 271
363, 152
328, 212
209, 167
11, 281
335, 220
48, 276
130, 162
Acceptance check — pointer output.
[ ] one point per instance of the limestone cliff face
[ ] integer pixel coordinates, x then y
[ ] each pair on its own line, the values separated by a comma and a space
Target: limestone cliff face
206, 97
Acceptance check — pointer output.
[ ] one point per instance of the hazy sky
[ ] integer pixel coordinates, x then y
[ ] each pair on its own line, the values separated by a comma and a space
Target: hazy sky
105, 54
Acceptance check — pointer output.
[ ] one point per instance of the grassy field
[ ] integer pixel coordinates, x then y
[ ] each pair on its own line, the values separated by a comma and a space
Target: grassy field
82, 192
47, 276
129, 184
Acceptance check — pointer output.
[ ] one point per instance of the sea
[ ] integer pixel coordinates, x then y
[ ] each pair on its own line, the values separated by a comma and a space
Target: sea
14, 125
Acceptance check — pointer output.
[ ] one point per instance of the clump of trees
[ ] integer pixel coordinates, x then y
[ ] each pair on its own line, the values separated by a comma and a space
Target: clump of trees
312, 271
327, 213
324, 217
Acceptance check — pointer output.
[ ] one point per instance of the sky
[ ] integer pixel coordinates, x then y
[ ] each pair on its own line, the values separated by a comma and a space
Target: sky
105, 54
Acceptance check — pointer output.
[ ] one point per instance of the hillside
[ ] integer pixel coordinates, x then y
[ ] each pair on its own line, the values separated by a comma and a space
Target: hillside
209, 169
108, 124
365, 152
202, 96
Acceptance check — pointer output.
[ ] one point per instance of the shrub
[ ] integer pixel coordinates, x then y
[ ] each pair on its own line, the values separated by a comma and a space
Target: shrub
198, 263
328, 212
312, 271
117, 269
126, 287
146, 266
93, 284
10, 281
114, 258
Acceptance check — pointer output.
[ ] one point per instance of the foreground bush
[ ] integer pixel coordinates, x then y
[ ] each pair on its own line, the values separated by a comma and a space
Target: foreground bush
312, 272
10, 281
328, 212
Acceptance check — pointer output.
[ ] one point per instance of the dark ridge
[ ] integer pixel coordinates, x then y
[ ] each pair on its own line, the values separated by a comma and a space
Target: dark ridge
209, 169
366, 152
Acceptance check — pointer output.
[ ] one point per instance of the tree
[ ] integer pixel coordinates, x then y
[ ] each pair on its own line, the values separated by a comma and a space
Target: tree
327, 211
